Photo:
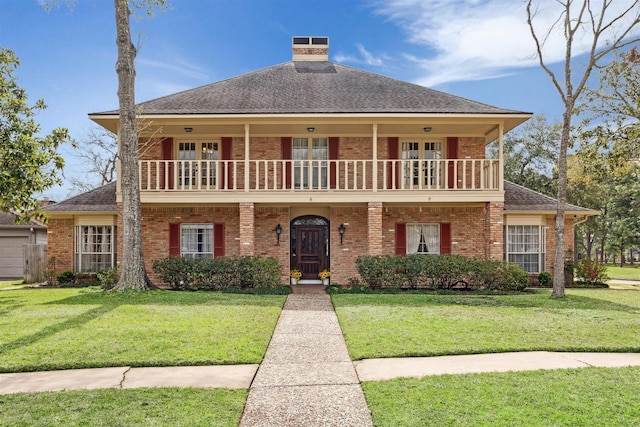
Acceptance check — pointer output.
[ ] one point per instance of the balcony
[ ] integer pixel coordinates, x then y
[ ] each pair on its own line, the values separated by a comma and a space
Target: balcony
287, 177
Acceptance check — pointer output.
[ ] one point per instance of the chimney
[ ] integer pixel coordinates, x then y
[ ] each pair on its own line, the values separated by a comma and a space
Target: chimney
311, 48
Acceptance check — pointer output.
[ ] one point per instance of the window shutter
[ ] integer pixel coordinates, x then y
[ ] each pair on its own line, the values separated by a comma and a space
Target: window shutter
174, 239
452, 153
445, 238
334, 154
167, 154
218, 240
226, 154
286, 143
392, 154
401, 239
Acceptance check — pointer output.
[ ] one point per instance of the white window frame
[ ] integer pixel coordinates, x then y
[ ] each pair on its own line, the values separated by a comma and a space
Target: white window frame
423, 238
95, 247
196, 240
429, 152
310, 171
525, 245
201, 162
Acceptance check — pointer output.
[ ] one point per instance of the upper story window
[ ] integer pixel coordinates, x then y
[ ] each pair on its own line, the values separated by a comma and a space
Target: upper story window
194, 163
310, 166
425, 170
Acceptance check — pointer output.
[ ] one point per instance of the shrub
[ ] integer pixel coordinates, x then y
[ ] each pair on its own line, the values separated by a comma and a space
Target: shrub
108, 278
591, 272
215, 274
66, 279
545, 279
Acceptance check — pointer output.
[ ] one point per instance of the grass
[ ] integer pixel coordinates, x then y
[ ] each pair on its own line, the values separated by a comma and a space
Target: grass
624, 273
566, 397
111, 407
10, 284
45, 329
430, 325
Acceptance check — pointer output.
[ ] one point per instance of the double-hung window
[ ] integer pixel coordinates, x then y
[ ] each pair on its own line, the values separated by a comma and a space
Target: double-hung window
423, 239
95, 247
425, 170
310, 165
196, 240
525, 246
197, 164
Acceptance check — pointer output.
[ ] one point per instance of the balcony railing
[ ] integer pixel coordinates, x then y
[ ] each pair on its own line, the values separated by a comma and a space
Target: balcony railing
320, 175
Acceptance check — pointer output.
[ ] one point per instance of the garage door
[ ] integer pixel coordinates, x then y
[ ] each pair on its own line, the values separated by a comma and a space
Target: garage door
11, 256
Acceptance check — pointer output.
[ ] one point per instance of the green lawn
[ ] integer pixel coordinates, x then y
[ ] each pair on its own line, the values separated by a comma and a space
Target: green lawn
10, 284
135, 407
625, 273
429, 325
45, 329
565, 397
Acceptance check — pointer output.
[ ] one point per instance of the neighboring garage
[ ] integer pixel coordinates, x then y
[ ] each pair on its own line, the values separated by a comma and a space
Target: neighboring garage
12, 238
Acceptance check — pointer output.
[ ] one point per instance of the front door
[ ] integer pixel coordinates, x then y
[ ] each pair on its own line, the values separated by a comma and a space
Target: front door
310, 246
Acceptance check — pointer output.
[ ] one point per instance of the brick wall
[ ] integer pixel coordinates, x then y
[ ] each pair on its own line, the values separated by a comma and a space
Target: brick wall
494, 231
355, 241
551, 241
60, 245
266, 243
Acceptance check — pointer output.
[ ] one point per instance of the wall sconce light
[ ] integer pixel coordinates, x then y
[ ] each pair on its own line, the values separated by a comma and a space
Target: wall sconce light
278, 233
310, 129
189, 130
341, 230
427, 128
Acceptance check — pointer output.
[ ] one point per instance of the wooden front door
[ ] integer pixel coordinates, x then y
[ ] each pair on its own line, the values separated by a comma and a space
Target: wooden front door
310, 246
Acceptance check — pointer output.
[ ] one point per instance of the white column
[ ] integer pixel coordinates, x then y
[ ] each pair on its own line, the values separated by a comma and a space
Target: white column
375, 158
501, 156
246, 157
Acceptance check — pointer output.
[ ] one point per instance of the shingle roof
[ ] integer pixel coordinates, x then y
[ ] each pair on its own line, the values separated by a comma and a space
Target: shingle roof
313, 87
9, 220
519, 198
101, 199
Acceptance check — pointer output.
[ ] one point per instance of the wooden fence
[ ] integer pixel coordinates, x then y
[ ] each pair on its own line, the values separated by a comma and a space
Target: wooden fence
35, 263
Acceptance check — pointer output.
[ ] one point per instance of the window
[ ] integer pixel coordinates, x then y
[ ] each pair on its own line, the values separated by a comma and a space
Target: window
423, 239
95, 248
526, 247
310, 162
196, 240
426, 169
194, 156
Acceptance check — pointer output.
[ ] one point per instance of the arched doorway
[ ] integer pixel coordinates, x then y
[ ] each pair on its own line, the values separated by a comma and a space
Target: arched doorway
310, 245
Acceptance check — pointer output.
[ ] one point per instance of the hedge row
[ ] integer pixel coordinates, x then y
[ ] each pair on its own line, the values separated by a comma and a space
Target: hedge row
440, 272
219, 273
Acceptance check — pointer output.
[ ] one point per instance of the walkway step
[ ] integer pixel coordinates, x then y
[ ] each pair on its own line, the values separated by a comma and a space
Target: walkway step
306, 378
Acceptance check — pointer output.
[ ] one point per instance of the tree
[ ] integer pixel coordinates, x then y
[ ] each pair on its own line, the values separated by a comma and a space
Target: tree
99, 151
579, 22
530, 155
29, 164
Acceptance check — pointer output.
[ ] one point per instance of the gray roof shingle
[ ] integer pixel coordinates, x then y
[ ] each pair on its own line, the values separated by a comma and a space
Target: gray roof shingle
313, 87
101, 199
8, 220
519, 198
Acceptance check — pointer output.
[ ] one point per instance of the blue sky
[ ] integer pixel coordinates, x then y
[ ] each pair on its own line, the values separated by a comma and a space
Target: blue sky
478, 49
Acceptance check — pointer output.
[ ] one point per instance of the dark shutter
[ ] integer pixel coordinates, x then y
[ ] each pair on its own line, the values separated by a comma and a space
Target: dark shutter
218, 240
393, 180
166, 174
334, 154
226, 154
452, 153
401, 238
174, 239
286, 143
445, 238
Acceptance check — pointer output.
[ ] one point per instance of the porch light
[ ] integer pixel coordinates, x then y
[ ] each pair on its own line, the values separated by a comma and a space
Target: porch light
427, 128
188, 130
310, 129
341, 230
278, 233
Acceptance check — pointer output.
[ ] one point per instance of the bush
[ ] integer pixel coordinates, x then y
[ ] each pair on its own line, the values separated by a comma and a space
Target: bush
440, 272
66, 279
591, 272
108, 278
545, 279
215, 274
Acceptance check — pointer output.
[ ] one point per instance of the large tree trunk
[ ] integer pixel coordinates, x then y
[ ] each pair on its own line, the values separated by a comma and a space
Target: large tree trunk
558, 265
132, 274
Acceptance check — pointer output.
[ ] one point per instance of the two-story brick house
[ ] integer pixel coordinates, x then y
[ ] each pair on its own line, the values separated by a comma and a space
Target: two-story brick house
315, 163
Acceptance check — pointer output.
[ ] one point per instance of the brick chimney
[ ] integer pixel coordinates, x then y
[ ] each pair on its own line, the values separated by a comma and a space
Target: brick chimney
311, 48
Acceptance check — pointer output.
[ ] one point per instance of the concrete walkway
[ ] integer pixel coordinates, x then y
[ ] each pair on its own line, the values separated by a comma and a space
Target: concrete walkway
306, 377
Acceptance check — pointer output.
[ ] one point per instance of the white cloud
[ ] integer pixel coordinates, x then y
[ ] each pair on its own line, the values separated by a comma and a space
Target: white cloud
478, 39
365, 57
175, 66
